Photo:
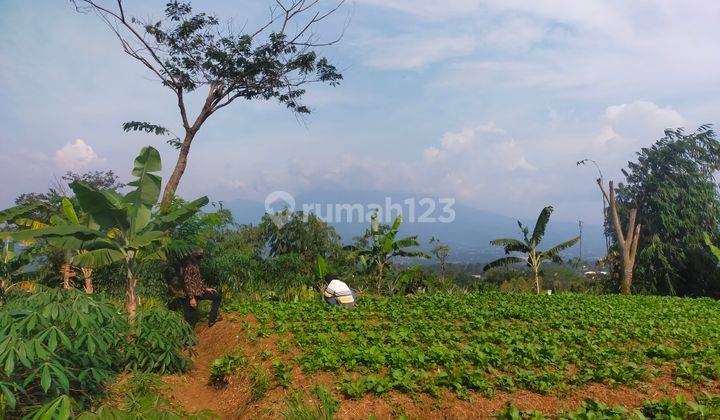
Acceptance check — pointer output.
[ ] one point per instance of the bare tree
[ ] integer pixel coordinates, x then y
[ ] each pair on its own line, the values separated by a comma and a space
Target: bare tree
628, 241
188, 51
441, 252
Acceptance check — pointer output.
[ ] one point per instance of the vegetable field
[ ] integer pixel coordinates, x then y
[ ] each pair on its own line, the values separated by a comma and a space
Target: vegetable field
494, 342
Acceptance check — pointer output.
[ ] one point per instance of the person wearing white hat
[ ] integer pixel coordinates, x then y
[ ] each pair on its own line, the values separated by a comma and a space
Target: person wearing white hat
337, 293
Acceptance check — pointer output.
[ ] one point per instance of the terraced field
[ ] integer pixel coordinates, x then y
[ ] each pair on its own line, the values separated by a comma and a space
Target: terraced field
480, 350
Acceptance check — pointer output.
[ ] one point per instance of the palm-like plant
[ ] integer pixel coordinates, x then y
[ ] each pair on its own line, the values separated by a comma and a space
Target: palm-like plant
534, 258
380, 244
13, 264
68, 245
122, 229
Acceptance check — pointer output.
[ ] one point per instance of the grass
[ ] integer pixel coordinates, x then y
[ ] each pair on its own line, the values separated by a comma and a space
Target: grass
319, 405
487, 342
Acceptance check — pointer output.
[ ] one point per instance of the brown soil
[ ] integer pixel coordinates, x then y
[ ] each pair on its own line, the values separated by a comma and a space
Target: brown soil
234, 401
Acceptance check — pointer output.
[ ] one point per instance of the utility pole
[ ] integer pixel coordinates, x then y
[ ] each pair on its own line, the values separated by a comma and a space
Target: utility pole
605, 218
580, 226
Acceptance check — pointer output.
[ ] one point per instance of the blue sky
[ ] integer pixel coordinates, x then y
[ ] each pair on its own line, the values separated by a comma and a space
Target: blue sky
491, 102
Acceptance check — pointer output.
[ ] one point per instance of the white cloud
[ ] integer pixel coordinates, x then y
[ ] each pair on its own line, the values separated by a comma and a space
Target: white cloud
76, 155
410, 51
637, 123
428, 9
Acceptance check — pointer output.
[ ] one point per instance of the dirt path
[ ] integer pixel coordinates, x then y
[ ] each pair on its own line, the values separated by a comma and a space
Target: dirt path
235, 401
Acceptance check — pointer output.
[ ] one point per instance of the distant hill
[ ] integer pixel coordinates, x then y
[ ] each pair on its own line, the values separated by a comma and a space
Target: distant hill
468, 235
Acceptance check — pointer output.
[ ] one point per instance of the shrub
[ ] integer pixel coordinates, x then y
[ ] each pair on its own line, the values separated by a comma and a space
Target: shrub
225, 366
283, 373
160, 338
57, 342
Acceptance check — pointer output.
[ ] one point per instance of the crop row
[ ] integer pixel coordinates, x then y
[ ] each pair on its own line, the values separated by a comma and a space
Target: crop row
494, 341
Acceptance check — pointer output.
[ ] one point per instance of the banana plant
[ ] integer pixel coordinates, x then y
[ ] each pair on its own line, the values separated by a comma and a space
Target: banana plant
380, 244
69, 246
14, 263
123, 228
534, 258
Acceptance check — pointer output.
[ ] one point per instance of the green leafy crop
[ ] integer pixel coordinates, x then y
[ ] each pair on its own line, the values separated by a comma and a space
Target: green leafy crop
489, 342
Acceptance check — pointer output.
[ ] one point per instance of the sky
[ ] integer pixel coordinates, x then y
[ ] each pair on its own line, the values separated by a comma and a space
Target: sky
490, 102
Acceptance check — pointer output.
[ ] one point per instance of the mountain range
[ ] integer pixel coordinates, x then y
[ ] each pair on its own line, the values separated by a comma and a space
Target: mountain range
468, 234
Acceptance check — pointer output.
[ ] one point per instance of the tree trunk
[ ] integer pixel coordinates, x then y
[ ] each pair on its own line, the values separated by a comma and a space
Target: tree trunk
178, 172
380, 275
67, 274
214, 94
537, 281
87, 276
626, 282
627, 241
132, 299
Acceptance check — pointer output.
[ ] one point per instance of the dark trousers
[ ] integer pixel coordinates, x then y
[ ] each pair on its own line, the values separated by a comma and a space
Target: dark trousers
191, 314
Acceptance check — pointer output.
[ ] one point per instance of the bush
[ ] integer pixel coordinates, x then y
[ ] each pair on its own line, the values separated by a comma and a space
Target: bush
416, 279
159, 340
225, 366
57, 342
239, 273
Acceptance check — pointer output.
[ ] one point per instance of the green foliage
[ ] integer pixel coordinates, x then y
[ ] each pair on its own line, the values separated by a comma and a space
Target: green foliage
60, 408
298, 233
414, 279
143, 400
187, 50
160, 338
122, 229
225, 366
704, 407
158, 130
260, 382
490, 342
380, 244
283, 373
322, 407
57, 342
673, 187
715, 250
529, 246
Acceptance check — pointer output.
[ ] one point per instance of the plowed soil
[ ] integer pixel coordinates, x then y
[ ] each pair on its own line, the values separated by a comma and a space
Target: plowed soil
235, 401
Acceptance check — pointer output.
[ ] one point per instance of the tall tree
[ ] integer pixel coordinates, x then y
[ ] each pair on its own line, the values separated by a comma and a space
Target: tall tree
187, 51
628, 241
534, 258
673, 186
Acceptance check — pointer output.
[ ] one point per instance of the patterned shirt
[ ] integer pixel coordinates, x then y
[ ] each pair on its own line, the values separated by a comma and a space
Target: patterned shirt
192, 279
